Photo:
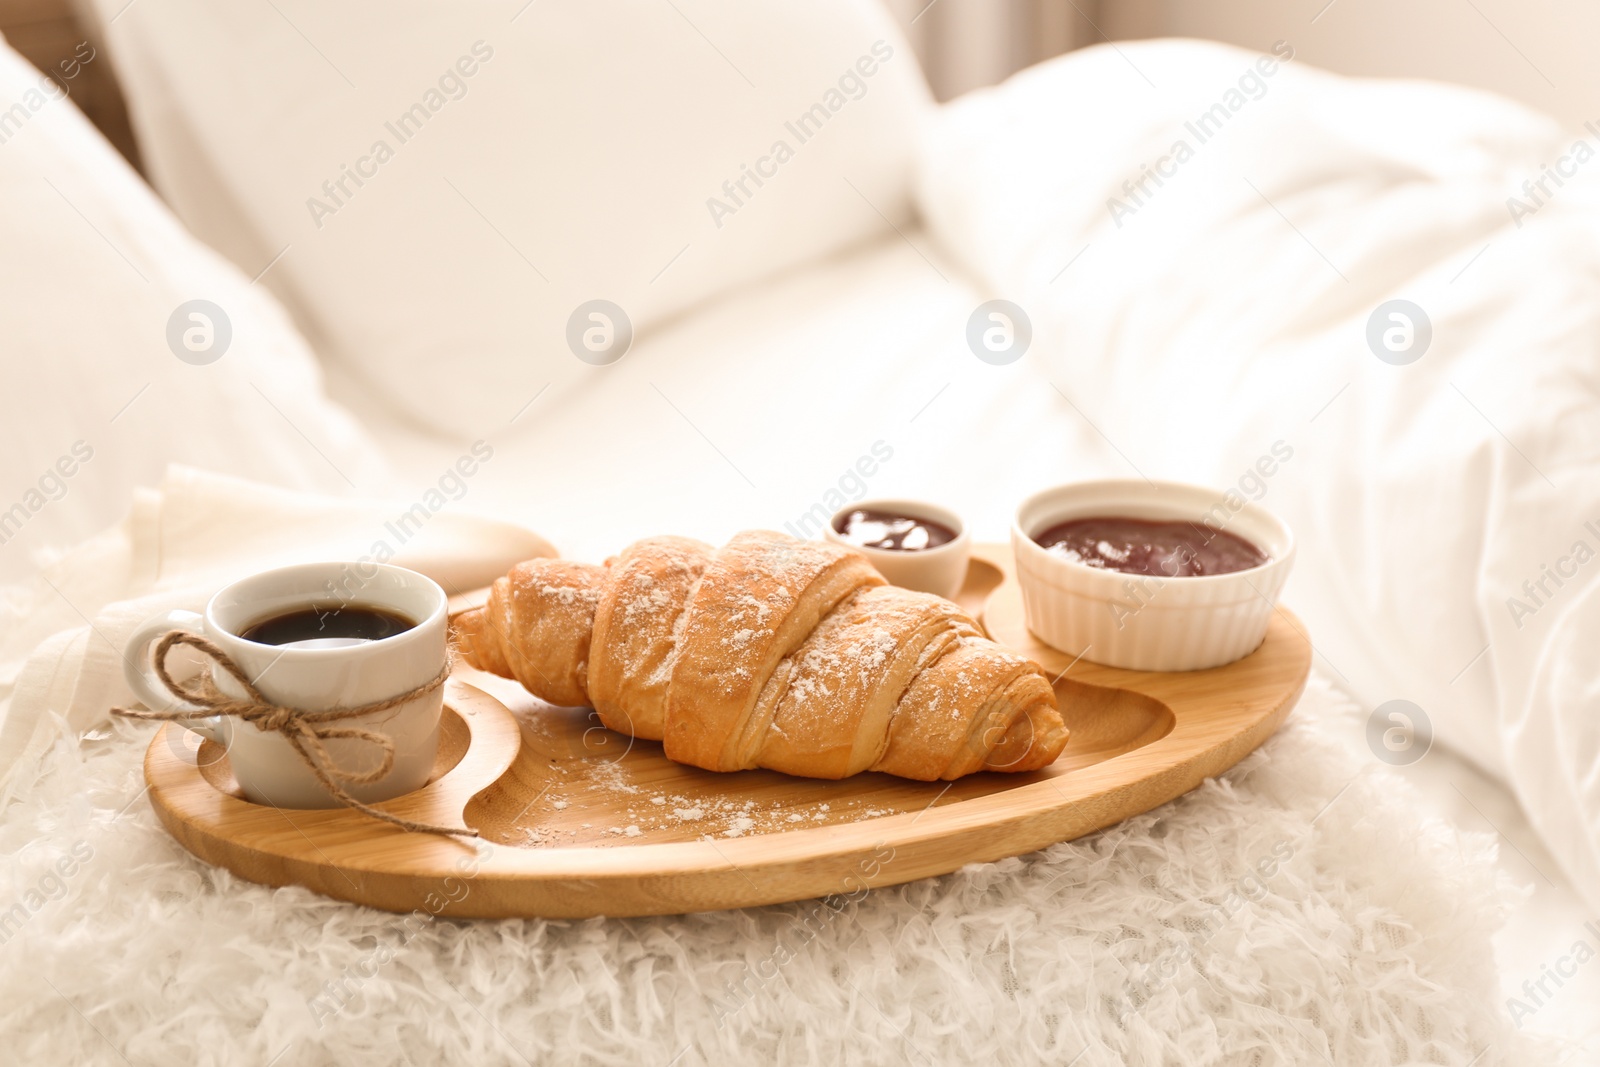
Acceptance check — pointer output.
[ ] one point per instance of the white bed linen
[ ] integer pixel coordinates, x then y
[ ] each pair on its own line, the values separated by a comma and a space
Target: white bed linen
94, 401
753, 410
1228, 309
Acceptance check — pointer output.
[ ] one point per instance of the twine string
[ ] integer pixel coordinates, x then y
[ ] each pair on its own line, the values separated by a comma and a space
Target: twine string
304, 730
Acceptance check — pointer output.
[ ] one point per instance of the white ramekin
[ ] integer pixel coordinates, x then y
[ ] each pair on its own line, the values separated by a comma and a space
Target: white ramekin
1149, 623
940, 570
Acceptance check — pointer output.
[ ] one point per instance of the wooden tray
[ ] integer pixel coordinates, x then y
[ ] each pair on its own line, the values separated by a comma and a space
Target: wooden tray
578, 821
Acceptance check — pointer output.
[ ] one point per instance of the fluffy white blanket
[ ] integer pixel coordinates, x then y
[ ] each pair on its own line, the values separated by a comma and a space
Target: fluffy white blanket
1295, 911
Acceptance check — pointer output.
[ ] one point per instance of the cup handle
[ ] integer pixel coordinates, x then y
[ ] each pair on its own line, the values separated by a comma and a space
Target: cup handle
139, 671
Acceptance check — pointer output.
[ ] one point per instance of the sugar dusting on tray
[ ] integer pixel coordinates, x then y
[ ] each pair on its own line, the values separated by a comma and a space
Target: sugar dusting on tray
633, 810
605, 797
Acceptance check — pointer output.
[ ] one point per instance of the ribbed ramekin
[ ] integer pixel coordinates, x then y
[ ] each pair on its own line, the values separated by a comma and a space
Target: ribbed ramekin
1149, 623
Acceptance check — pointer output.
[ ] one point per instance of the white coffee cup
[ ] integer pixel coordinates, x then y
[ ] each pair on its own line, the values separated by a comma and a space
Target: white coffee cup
315, 675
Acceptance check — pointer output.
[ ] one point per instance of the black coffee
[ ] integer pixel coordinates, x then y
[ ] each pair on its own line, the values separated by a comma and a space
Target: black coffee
350, 621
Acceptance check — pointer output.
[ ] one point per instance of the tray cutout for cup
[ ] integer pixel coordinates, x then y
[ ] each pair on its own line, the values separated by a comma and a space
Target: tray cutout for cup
454, 738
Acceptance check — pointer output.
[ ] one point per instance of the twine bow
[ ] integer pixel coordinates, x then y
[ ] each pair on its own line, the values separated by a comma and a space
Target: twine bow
304, 730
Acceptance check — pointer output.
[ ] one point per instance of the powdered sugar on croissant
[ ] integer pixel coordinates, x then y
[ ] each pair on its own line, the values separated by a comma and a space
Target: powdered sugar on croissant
770, 652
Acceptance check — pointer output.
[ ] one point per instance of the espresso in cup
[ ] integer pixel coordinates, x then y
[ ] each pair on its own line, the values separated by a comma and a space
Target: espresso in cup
347, 623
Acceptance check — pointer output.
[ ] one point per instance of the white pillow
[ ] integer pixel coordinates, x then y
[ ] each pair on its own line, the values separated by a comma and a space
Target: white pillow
94, 268
452, 182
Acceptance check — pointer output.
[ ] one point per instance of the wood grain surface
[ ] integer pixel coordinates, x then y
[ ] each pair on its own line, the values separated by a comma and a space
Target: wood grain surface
578, 821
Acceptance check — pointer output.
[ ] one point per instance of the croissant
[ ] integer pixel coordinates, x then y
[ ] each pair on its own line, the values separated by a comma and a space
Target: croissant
770, 652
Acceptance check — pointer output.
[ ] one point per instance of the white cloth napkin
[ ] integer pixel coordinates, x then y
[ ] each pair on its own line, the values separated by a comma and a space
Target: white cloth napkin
61, 641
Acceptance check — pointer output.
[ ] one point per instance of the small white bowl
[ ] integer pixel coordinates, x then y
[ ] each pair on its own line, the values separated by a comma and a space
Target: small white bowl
1141, 622
940, 570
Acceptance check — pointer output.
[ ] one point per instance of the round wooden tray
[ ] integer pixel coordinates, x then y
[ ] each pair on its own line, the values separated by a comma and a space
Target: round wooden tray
578, 821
